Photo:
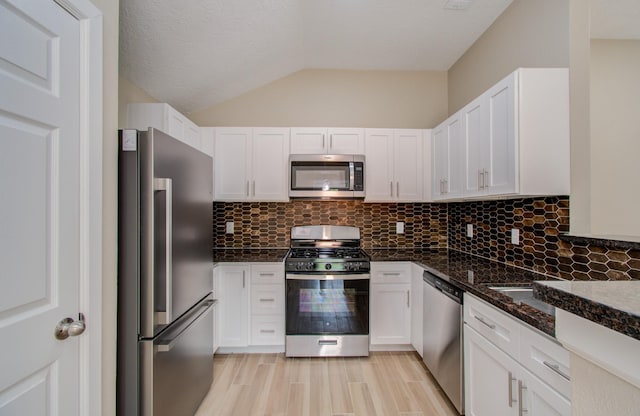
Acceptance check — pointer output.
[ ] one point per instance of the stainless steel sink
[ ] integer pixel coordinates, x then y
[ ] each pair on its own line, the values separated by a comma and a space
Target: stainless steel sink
524, 294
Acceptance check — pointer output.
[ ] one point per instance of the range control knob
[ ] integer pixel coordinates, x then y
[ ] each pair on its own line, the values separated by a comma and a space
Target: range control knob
327, 266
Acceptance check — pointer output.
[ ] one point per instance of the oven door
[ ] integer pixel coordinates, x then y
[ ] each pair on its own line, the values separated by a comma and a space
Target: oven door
323, 304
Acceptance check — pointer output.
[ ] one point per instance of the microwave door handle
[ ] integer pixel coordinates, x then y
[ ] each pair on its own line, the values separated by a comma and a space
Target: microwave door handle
166, 185
352, 176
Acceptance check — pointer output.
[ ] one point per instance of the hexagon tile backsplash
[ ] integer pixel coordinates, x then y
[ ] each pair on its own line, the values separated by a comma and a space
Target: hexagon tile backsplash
539, 221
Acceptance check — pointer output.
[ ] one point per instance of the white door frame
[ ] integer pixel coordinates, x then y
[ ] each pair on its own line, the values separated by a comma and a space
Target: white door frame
91, 142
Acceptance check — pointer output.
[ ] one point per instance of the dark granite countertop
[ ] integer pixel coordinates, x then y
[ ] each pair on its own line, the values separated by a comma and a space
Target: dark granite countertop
613, 304
471, 273
475, 275
246, 255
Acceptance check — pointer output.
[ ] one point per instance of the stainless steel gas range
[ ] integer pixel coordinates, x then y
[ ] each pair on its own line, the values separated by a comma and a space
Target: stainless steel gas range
327, 293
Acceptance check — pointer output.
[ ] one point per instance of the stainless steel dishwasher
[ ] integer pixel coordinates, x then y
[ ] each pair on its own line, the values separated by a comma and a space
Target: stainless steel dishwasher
442, 336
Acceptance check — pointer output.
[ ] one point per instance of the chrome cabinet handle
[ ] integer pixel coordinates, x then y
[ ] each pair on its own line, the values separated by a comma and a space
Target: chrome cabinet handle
268, 331
166, 185
69, 328
267, 300
243, 279
247, 189
408, 298
267, 274
391, 274
398, 189
331, 141
391, 188
327, 342
485, 174
323, 141
491, 326
479, 180
556, 368
253, 186
511, 380
521, 388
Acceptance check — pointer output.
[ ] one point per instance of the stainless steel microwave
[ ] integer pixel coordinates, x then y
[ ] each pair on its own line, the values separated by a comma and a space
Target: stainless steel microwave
326, 176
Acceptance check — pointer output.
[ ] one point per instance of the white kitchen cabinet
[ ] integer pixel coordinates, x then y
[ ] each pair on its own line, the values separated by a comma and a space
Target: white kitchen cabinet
267, 304
509, 368
390, 303
498, 385
251, 164
233, 304
416, 308
321, 140
447, 159
393, 165
515, 139
427, 162
162, 116
207, 136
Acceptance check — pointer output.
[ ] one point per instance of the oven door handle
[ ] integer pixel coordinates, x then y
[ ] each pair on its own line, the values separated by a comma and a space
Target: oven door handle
350, 276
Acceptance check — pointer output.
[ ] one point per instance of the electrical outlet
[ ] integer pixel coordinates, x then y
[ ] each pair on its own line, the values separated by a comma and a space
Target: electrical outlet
400, 227
470, 230
515, 236
229, 227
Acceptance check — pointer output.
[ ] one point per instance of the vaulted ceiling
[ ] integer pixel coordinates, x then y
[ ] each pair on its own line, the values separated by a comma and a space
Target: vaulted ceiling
197, 53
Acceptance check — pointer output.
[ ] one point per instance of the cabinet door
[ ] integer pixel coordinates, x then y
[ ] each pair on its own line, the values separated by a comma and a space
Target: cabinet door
233, 305
440, 161
407, 157
269, 164
231, 162
192, 135
379, 160
538, 399
490, 384
455, 175
176, 124
501, 177
345, 141
309, 140
416, 308
390, 313
475, 137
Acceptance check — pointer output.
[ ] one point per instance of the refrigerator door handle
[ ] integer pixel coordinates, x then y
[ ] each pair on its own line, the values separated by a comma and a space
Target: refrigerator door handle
166, 185
167, 344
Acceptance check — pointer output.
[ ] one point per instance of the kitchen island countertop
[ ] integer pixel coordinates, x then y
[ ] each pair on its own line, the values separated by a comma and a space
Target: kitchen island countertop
612, 304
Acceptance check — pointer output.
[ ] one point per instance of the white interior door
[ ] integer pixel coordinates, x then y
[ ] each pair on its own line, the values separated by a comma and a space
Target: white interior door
40, 212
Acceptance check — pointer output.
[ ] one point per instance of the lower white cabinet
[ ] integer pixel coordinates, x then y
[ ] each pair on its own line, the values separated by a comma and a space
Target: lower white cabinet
250, 308
233, 304
498, 383
416, 308
267, 304
390, 303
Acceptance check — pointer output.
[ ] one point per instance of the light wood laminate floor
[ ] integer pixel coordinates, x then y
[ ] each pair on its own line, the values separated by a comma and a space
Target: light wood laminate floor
384, 384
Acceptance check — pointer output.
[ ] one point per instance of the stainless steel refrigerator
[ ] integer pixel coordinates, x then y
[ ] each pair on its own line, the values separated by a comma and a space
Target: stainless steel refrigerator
165, 303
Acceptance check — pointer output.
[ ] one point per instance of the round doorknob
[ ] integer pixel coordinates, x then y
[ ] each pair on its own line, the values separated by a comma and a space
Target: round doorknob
69, 328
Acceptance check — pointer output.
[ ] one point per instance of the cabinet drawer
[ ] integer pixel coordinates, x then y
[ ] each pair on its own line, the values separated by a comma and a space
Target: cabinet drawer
267, 299
494, 325
546, 359
267, 330
392, 272
267, 274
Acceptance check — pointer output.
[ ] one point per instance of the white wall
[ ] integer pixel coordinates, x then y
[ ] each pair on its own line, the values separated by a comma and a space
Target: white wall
615, 137
128, 92
338, 98
110, 10
527, 34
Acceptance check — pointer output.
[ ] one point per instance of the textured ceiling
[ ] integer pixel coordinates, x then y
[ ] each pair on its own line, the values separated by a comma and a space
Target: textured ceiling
196, 53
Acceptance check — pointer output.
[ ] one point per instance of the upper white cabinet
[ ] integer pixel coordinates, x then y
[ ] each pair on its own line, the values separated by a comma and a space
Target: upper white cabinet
251, 164
514, 139
321, 140
394, 165
447, 159
162, 116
